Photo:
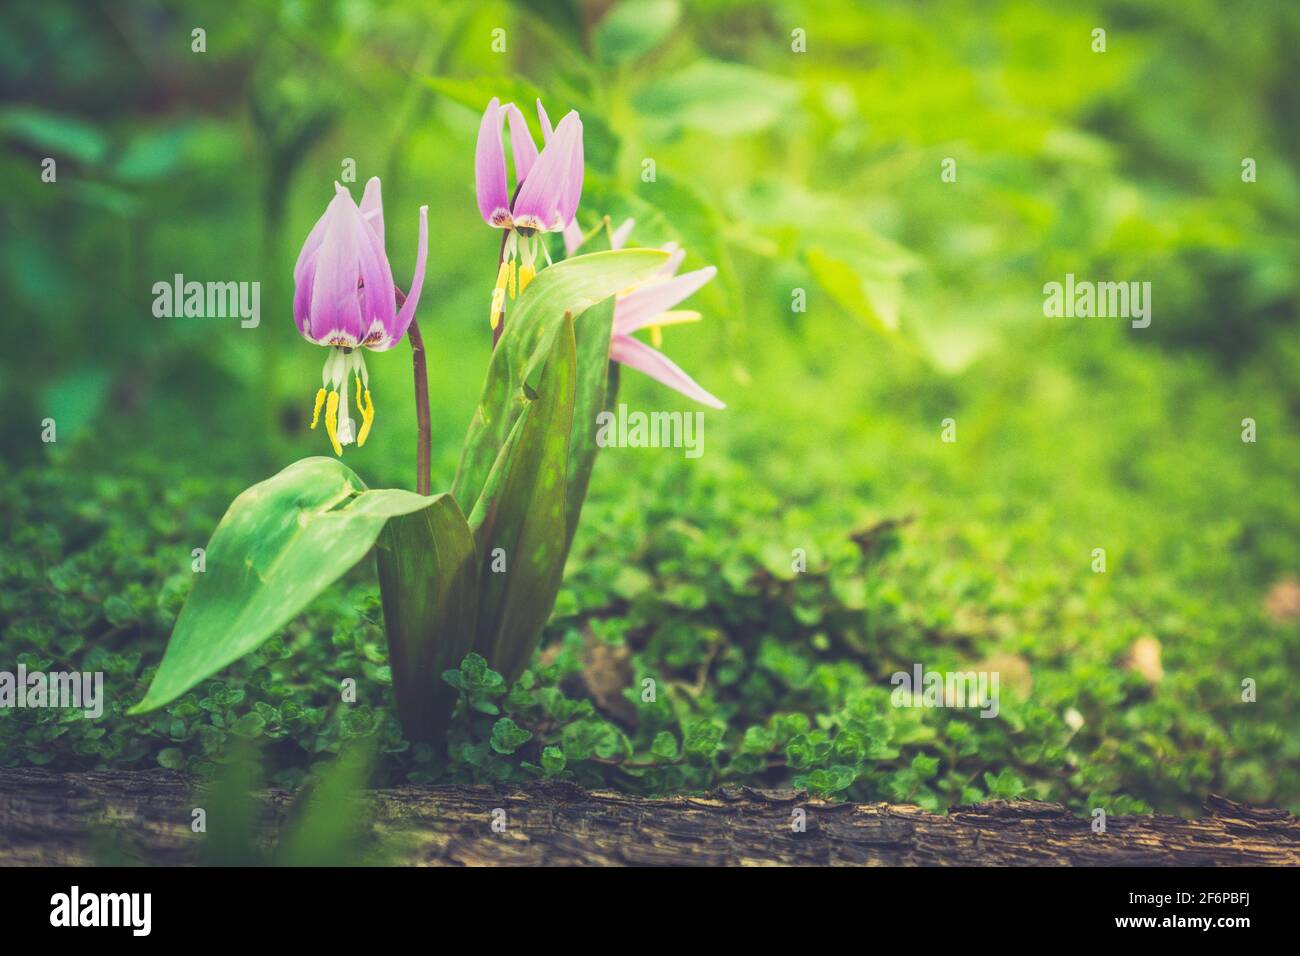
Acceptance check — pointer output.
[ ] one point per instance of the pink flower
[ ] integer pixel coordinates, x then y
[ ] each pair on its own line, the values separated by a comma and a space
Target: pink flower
546, 195
650, 305
345, 298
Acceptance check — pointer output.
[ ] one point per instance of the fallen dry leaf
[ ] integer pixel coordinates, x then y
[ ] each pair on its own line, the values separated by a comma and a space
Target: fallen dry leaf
1144, 657
1283, 601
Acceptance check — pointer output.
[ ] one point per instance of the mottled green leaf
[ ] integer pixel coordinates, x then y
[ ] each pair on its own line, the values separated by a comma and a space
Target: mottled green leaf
596, 391
532, 320
280, 544
428, 580
519, 519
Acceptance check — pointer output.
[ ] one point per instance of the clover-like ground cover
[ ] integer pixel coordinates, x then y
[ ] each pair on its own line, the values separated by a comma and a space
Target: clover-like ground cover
1119, 690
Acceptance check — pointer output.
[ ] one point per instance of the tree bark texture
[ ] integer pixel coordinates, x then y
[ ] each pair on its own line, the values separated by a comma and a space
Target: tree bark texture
62, 819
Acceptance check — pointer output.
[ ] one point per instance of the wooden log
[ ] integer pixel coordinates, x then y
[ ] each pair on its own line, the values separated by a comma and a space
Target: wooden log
64, 818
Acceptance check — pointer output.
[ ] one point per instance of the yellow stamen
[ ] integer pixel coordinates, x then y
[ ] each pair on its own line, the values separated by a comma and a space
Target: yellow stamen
498, 307
358, 380
656, 336
332, 422
315, 412
367, 416
499, 294
512, 279
676, 317
526, 274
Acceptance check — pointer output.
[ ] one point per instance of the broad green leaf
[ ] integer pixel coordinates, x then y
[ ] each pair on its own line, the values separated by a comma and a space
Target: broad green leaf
520, 518
873, 299
280, 544
634, 28
722, 99
428, 580
532, 321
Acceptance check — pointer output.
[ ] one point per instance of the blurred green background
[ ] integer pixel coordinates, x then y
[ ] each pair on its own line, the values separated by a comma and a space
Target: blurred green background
816, 171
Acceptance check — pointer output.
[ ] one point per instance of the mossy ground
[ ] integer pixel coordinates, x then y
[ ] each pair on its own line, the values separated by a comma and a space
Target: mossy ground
973, 554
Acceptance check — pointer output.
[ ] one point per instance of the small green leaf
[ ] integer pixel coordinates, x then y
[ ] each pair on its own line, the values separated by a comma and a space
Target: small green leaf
1005, 786
553, 760
507, 736
664, 746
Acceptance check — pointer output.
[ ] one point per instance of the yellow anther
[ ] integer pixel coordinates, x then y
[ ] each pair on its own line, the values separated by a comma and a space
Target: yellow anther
656, 336
513, 272
332, 422
367, 416
315, 412
526, 274
358, 391
499, 294
498, 307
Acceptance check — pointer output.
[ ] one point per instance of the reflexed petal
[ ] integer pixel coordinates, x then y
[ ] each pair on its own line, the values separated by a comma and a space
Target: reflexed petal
403, 319
372, 208
674, 261
549, 196
639, 308
545, 121
521, 143
572, 237
572, 194
659, 367
490, 169
619, 235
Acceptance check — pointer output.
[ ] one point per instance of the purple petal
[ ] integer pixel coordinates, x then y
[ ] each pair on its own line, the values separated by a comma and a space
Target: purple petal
521, 143
674, 261
639, 308
643, 358
545, 121
572, 237
372, 208
304, 274
549, 196
490, 169
334, 306
404, 317
378, 310
619, 236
